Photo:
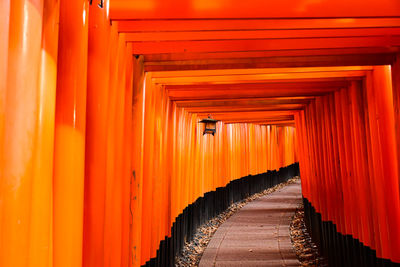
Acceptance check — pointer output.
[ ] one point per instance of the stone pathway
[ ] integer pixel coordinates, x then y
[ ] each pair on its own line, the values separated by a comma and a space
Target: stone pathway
258, 234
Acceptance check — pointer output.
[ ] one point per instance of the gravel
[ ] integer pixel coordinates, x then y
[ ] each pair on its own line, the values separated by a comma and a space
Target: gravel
306, 250
192, 251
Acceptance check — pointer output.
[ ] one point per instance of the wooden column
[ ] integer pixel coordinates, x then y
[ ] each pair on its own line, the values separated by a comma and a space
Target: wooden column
138, 101
96, 129
41, 245
18, 125
70, 124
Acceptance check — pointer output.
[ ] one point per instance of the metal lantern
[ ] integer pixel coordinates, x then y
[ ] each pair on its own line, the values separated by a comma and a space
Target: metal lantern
210, 125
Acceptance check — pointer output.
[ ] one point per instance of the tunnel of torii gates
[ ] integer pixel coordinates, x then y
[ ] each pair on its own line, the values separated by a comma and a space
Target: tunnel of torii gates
101, 146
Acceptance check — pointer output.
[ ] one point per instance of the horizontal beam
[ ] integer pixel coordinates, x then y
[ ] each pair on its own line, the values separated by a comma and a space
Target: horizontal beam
205, 95
243, 102
144, 48
257, 34
255, 78
263, 122
267, 113
181, 57
278, 123
272, 85
213, 109
202, 73
272, 62
206, 9
158, 25
254, 90
250, 118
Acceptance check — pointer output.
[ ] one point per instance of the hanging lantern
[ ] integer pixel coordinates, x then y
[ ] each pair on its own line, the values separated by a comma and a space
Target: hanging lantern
210, 125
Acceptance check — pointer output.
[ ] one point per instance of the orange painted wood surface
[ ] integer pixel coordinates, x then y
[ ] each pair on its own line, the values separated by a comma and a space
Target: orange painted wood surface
210, 162
356, 198
96, 151
21, 158
70, 126
154, 9
41, 244
100, 143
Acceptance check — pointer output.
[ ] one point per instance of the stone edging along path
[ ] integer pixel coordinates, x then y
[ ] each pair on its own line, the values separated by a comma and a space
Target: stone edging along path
193, 251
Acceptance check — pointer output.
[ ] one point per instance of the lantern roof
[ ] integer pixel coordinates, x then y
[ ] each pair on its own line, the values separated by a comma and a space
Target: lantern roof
208, 120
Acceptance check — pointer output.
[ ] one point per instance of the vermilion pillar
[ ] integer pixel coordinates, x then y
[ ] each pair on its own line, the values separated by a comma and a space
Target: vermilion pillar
376, 160
113, 220
138, 105
395, 69
96, 133
110, 229
127, 177
20, 126
148, 153
386, 124
40, 251
69, 151
4, 29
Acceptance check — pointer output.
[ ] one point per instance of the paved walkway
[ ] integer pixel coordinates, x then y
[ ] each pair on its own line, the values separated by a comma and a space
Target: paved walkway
258, 234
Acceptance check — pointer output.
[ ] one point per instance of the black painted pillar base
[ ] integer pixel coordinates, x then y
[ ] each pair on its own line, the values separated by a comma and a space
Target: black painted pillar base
339, 250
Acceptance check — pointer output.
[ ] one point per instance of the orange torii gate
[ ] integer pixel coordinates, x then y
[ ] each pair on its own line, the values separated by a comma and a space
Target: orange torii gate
101, 149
